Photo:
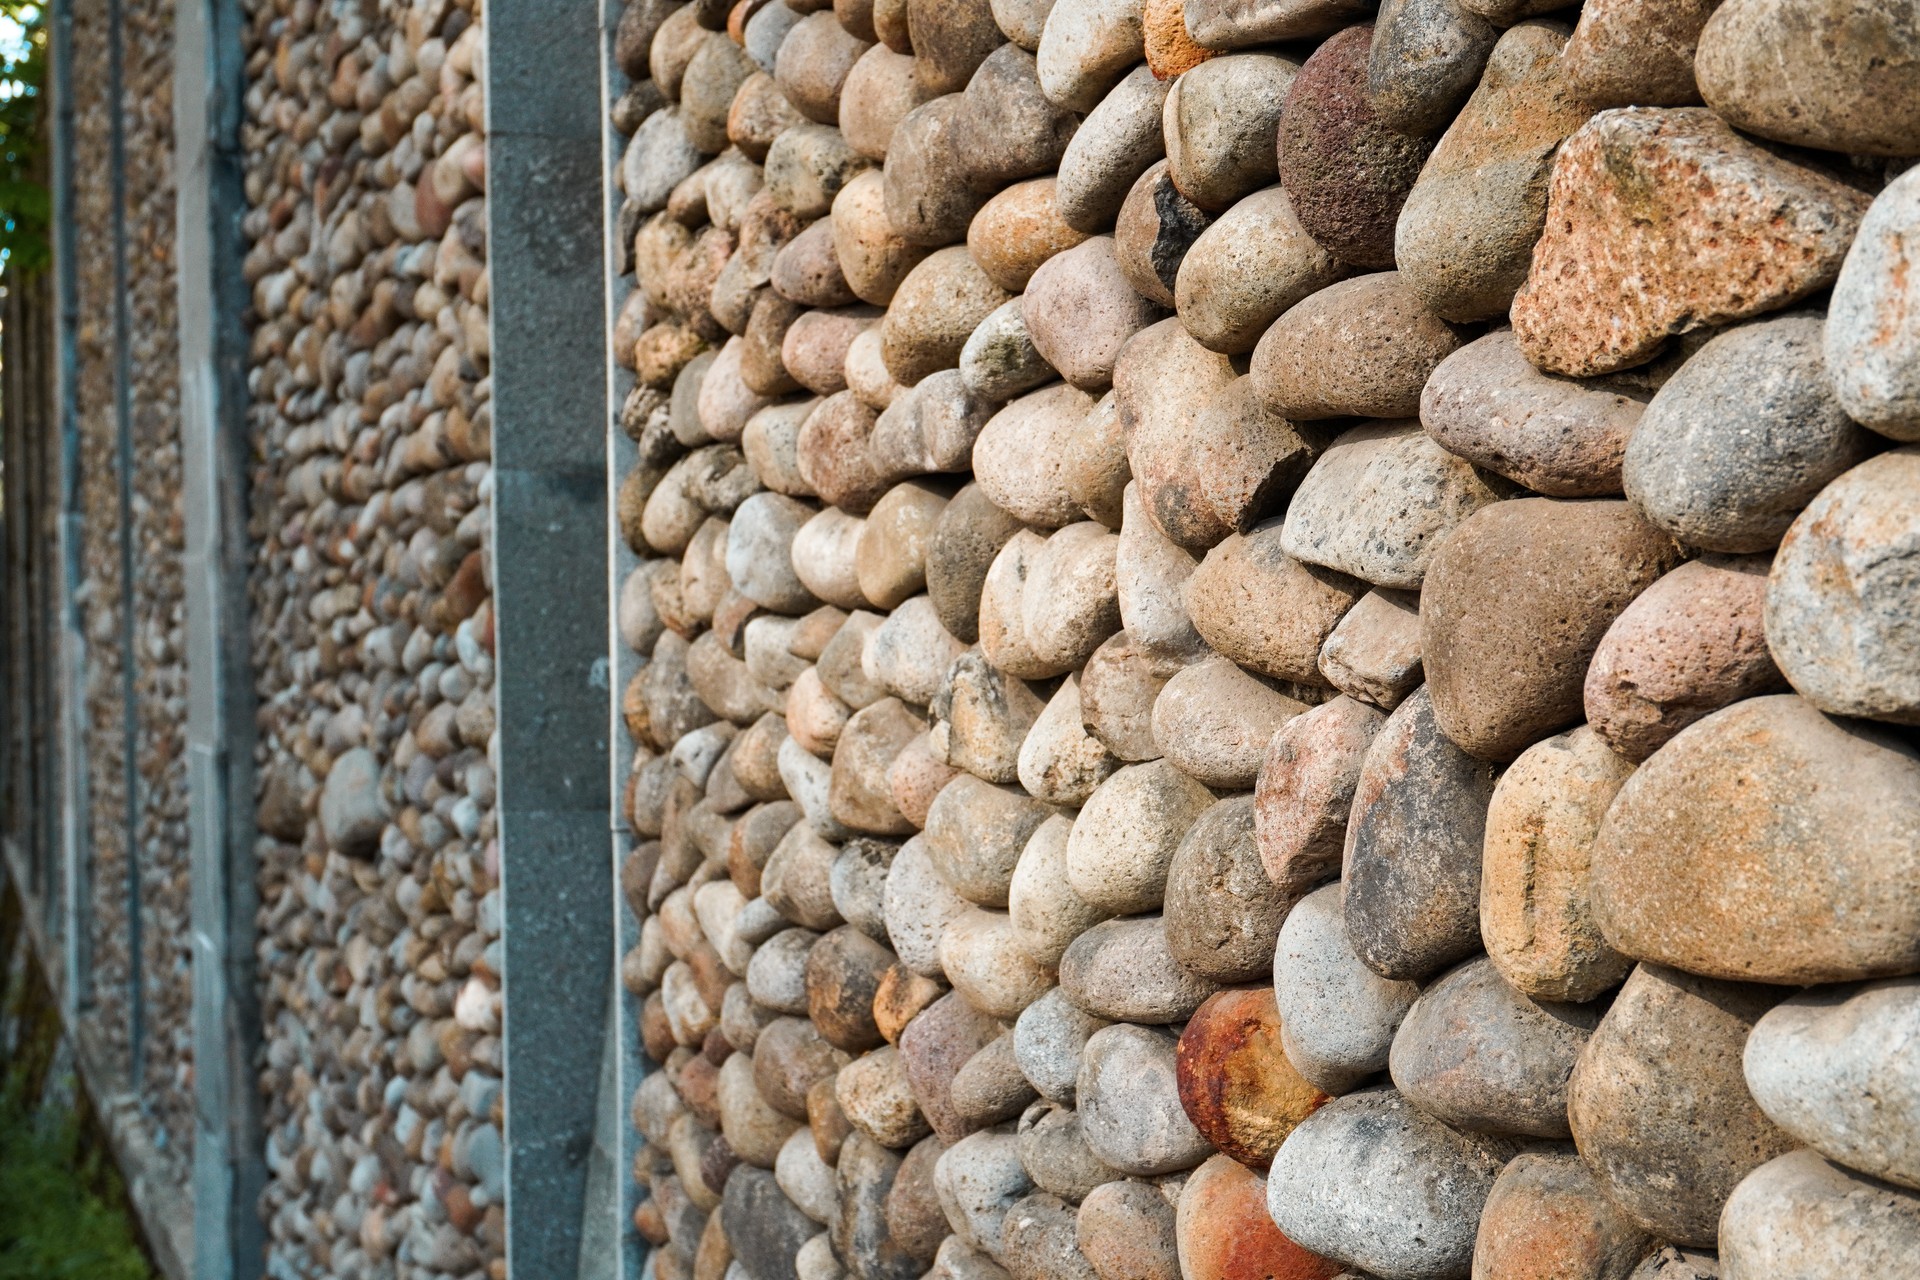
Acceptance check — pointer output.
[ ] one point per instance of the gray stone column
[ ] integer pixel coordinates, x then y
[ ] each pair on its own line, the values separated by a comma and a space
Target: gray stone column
545, 256
228, 1143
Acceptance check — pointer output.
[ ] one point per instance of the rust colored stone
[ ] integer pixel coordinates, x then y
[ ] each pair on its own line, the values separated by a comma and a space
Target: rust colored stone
699, 1087
844, 970
1236, 1084
826, 1121
1018, 230
650, 1222
655, 1034
1225, 1233
464, 592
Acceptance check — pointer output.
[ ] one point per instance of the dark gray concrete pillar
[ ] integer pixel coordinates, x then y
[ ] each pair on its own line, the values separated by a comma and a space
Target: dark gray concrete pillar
545, 264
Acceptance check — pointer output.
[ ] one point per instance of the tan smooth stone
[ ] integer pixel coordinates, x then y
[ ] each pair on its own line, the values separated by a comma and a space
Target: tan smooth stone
1536, 877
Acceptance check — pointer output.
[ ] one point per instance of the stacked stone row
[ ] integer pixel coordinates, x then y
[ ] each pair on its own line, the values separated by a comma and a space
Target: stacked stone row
159, 590
1280, 640
379, 923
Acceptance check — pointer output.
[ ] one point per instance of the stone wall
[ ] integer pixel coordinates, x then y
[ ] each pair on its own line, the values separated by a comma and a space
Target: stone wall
1277, 636
100, 597
154, 525
380, 917
159, 593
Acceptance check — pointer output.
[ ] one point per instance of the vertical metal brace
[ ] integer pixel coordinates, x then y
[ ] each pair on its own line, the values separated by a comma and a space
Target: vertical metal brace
228, 1143
545, 269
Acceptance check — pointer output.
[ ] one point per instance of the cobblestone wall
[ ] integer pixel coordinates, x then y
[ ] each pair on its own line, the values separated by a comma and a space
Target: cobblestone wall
101, 596
1279, 636
159, 594
379, 922
156, 530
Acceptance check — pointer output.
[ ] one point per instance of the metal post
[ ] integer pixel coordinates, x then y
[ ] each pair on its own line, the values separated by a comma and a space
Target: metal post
228, 1143
549, 513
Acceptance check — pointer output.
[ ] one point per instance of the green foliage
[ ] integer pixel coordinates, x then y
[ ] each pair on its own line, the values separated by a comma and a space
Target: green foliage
51, 1225
61, 1201
25, 205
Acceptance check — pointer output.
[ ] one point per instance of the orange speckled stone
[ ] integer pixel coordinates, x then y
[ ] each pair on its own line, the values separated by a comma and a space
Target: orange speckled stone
1236, 1085
1170, 50
902, 994
1548, 1219
1018, 230
1665, 221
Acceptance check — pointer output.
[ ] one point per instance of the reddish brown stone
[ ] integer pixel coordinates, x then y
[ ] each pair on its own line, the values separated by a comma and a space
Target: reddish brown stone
833, 455
934, 1047
650, 1222
914, 1217
699, 1087
655, 1033
1226, 1234
1304, 793
1347, 172
464, 592
1236, 1084
1547, 1219
826, 1121
1515, 603
1691, 644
